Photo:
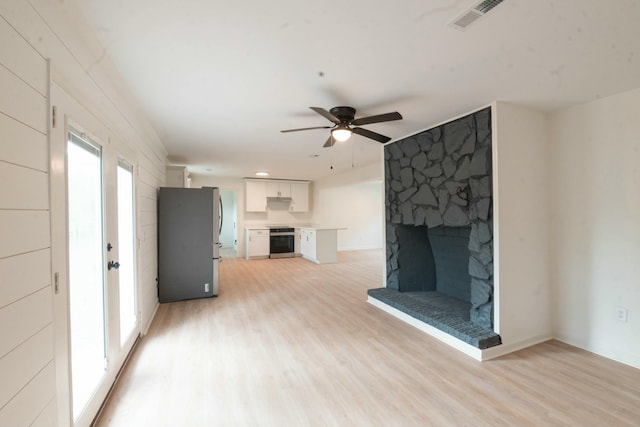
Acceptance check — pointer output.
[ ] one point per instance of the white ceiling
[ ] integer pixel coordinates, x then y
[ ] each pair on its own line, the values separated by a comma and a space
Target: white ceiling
220, 79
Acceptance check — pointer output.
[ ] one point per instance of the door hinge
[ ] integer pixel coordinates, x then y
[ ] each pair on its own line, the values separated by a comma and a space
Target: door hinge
56, 283
53, 116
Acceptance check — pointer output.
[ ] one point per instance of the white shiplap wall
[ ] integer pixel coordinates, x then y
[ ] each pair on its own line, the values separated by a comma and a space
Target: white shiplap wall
27, 389
31, 32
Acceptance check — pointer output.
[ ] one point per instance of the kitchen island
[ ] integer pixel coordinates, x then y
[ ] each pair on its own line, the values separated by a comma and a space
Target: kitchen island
319, 244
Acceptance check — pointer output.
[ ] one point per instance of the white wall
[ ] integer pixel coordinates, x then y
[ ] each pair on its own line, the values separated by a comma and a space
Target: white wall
353, 200
595, 225
27, 371
275, 215
30, 33
228, 234
520, 204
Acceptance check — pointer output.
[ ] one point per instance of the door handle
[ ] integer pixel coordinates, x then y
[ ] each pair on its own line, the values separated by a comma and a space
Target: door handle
113, 264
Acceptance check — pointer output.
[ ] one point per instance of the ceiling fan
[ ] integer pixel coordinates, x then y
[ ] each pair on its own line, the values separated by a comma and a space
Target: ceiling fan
345, 124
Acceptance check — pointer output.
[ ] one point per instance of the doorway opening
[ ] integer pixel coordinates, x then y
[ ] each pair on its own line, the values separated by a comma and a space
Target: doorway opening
229, 229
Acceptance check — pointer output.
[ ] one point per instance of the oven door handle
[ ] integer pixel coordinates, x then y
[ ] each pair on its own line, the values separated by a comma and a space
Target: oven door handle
282, 234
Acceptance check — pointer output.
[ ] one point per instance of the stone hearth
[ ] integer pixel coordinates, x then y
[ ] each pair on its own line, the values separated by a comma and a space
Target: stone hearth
439, 227
449, 315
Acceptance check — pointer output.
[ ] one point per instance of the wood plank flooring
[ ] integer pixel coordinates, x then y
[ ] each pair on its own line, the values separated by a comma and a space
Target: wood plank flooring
291, 343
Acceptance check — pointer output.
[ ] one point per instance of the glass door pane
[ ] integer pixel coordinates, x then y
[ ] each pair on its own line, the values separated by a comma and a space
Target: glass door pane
126, 253
86, 268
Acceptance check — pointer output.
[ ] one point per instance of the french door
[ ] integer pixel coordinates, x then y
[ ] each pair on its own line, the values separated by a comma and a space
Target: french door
94, 257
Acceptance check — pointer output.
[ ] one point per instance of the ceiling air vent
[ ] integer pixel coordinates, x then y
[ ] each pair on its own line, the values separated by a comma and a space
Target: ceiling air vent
475, 12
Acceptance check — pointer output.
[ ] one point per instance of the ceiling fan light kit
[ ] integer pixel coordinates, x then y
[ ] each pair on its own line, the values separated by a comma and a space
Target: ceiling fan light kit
341, 133
343, 118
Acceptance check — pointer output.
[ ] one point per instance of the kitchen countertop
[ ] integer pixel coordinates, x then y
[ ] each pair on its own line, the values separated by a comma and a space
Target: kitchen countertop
311, 227
315, 227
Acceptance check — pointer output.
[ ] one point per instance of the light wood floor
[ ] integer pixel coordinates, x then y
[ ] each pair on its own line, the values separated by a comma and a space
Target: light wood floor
291, 343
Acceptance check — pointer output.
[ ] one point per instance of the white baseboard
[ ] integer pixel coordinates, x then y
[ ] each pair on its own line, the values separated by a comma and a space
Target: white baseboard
502, 349
632, 360
358, 248
469, 350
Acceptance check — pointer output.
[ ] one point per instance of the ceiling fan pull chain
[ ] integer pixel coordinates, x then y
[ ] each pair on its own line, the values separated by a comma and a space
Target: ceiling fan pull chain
352, 155
332, 142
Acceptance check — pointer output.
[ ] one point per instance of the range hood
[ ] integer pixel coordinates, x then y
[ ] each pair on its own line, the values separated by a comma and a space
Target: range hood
278, 199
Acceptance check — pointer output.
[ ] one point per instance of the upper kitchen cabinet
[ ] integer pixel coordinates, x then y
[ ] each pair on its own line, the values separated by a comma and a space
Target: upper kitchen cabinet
258, 192
299, 197
256, 196
278, 189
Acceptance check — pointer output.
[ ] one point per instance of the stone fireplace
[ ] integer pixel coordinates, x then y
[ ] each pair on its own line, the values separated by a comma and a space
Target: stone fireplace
439, 240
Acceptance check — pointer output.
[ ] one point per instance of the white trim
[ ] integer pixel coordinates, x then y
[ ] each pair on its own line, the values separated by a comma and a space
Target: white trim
460, 345
145, 330
469, 350
495, 215
633, 361
501, 350
440, 123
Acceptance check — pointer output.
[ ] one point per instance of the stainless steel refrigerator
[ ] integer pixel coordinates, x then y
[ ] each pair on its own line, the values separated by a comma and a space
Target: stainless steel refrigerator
189, 223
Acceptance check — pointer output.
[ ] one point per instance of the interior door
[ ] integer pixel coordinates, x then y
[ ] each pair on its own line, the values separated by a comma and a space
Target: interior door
93, 235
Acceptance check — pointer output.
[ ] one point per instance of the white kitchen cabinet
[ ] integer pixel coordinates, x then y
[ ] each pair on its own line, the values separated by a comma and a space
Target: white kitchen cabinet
258, 192
256, 196
257, 243
278, 189
299, 197
308, 243
319, 245
297, 243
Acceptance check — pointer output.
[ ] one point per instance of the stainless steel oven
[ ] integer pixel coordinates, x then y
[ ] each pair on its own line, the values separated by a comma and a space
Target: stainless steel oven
282, 242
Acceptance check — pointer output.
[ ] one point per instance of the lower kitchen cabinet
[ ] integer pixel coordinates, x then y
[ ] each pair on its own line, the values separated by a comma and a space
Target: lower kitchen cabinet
257, 243
319, 245
297, 243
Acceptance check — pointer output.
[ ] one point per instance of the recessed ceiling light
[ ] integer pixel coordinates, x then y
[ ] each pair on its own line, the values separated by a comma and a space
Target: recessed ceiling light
262, 173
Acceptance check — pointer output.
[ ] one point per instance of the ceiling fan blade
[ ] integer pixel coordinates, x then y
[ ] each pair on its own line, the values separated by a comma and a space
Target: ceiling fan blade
327, 115
370, 134
330, 142
299, 129
377, 119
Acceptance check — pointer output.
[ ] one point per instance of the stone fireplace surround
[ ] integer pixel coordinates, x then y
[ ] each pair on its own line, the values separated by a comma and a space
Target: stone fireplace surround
438, 184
